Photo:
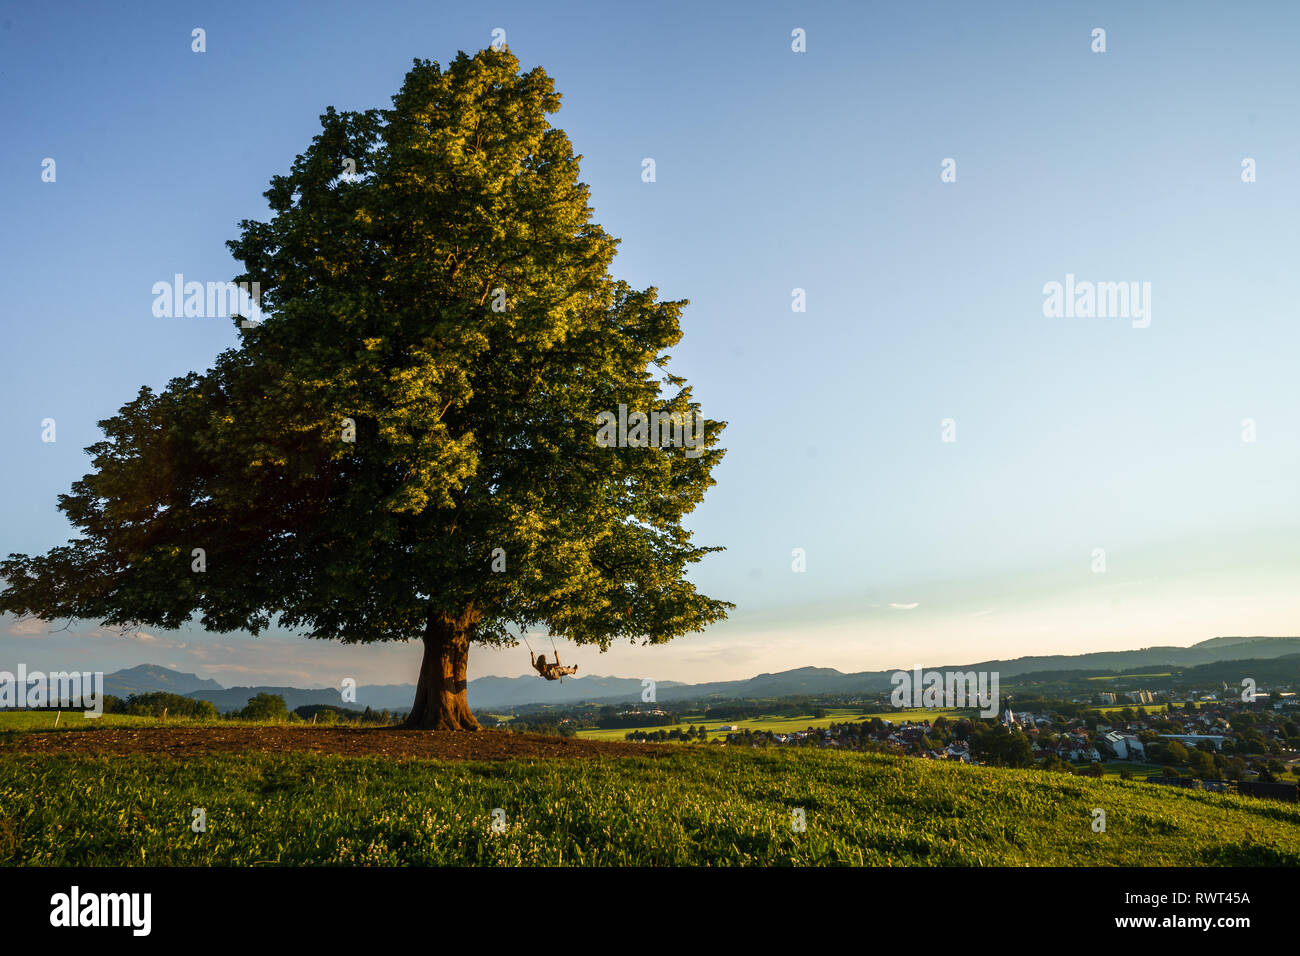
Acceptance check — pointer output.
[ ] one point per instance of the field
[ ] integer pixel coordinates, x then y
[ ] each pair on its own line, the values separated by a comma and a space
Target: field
74, 720
112, 798
1114, 768
1129, 677
1110, 709
23, 720
785, 725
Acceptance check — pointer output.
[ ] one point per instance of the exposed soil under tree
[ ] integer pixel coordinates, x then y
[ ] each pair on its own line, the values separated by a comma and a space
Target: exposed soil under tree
347, 741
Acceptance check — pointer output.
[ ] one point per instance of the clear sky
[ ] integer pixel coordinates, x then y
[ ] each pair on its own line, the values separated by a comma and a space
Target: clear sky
775, 170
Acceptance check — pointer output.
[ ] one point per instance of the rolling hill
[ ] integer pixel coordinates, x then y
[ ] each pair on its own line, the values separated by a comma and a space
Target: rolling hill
487, 693
147, 678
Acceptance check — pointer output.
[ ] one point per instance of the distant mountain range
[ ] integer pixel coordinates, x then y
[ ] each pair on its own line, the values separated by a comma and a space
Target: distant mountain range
148, 678
487, 693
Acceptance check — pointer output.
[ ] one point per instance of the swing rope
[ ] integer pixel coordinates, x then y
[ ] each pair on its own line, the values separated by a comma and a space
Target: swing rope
524, 635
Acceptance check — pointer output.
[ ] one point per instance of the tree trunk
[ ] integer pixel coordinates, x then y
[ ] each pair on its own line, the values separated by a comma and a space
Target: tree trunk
440, 700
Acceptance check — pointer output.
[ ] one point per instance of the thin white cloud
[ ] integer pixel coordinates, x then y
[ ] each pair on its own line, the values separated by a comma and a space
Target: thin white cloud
905, 607
151, 641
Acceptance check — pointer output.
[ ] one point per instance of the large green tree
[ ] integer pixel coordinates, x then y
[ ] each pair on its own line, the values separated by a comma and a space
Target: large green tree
406, 447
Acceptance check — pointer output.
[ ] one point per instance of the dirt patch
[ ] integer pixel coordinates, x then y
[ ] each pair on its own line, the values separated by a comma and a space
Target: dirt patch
350, 742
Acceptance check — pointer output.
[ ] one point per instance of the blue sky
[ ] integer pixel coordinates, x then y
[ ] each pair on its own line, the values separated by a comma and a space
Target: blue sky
775, 170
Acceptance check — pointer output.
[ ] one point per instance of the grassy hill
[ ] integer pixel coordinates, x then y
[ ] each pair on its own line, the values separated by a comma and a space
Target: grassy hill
697, 805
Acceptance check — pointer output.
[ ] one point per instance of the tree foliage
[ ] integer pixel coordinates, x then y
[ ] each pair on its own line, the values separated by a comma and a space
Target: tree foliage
265, 707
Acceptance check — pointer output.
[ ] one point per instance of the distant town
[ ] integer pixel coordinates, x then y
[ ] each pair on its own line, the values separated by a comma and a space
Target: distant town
1211, 739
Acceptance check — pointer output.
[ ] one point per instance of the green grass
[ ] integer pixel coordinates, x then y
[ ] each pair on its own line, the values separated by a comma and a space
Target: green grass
697, 806
1109, 709
918, 714
785, 725
25, 720
1114, 768
1129, 676
76, 720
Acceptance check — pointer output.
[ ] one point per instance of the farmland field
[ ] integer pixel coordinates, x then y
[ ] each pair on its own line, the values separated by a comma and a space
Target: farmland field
1109, 709
685, 805
785, 725
1129, 676
1114, 768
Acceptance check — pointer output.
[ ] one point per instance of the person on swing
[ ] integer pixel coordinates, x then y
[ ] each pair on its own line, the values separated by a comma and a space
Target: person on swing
551, 671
